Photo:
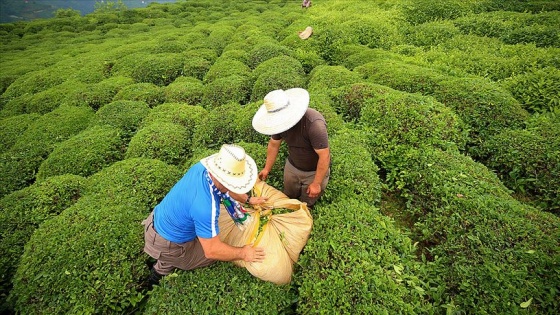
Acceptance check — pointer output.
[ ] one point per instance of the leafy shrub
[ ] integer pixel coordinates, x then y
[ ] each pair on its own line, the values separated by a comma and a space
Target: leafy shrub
186, 90
364, 56
234, 88
18, 166
12, 127
32, 83
159, 69
220, 37
101, 269
481, 246
188, 116
84, 154
149, 93
357, 261
196, 67
46, 101
536, 90
236, 54
264, 51
123, 115
96, 95
224, 68
528, 161
167, 142
277, 73
23, 211
375, 30
422, 11
431, 33
328, 77
332, 40
221, 287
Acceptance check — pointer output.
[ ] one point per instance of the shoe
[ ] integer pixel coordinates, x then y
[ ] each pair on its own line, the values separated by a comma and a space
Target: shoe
153, 278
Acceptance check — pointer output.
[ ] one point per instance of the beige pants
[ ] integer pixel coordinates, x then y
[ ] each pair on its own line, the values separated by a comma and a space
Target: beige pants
170, 255
296, 183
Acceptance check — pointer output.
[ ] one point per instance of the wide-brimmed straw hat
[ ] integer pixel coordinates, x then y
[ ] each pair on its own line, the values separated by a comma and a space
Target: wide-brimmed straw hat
281, 111
233, 168
306, 33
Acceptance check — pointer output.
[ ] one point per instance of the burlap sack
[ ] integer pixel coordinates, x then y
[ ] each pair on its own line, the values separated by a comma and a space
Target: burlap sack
282, 235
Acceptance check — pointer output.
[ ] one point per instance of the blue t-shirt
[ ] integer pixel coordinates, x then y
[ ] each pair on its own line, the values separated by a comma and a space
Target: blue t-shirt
190, 209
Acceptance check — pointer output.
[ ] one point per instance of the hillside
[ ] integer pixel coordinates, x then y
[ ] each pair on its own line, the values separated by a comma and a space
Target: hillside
443, 121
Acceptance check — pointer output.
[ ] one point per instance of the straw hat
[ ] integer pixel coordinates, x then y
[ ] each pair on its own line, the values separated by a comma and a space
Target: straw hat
281, 110
233, 168
306, 33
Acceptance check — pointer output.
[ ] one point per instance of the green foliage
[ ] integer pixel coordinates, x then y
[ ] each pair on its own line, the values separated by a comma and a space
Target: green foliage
96, 95
222, 288
224, 68
23, 211
281, 72
159, 69
264, 51
234, 88
186, 90
123, 115
12, 127
357, 262
148, 93
167, 142
528, 161
327, 77
18, 166
431, 33
537, 91
188, 116
196, 67
422, 11
84, 154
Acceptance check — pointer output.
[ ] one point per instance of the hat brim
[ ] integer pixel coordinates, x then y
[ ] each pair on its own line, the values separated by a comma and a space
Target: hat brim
236, 184
280, 121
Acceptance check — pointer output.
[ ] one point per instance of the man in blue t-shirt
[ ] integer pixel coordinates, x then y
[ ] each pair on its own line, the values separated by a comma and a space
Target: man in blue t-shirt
182, 230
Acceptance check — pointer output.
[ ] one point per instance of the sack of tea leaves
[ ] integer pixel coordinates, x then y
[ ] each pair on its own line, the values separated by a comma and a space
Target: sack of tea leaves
281, 226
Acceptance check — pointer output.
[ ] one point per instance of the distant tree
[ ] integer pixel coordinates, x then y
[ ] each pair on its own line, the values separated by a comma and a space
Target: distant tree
108, 6
67, 13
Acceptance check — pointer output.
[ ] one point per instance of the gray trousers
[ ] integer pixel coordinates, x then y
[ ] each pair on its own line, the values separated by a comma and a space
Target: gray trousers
296, 183
170, 255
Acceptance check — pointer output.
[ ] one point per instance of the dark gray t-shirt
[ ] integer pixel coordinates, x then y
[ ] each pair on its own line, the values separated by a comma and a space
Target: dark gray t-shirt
308, 135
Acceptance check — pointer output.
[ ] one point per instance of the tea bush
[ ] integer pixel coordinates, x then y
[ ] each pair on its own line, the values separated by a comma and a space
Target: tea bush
32, 83
22, 212
196, 67
96, 95
224, 68
167, 142
84, 154
234, 88
46, 101
12, 127
327, 77
277, 73
222, 288
357, 261
536, 90
431, 33
422, 11
528, 161
18, 166
149, 93
188, 90
123, 115
188, 116
263, 51
481, 246
94, 264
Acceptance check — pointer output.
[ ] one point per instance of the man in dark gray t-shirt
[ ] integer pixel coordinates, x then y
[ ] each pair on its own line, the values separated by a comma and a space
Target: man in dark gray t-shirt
285, 116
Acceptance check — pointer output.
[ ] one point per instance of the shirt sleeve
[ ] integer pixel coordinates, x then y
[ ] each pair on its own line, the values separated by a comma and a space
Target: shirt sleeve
318, 135
206, 220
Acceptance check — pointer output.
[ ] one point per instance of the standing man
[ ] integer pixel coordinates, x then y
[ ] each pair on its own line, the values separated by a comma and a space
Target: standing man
182, 230
285, 116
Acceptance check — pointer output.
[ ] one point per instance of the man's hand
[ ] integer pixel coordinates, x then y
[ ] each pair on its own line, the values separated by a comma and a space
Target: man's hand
313, 190
263, 174
253, 254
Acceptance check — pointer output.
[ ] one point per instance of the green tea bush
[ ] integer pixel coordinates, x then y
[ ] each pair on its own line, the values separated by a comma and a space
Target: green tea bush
196, 67
224, 68
528, 161
281, 72
96, 95
234, 88
431, 33
32, 83
537, 91
188, 90
206, 53
235, 54
22, 212
220, 37
123, 115
357, 262
220, 288
46, 101
422, 11
328, 77
266, 50
376, 30
159, 69
484, 251
229, 123
349, 100
354, 175
362, 56
12, 127
331, 41
167, 142
188, 116
84, 154
95, 262
19, 165
149, 93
